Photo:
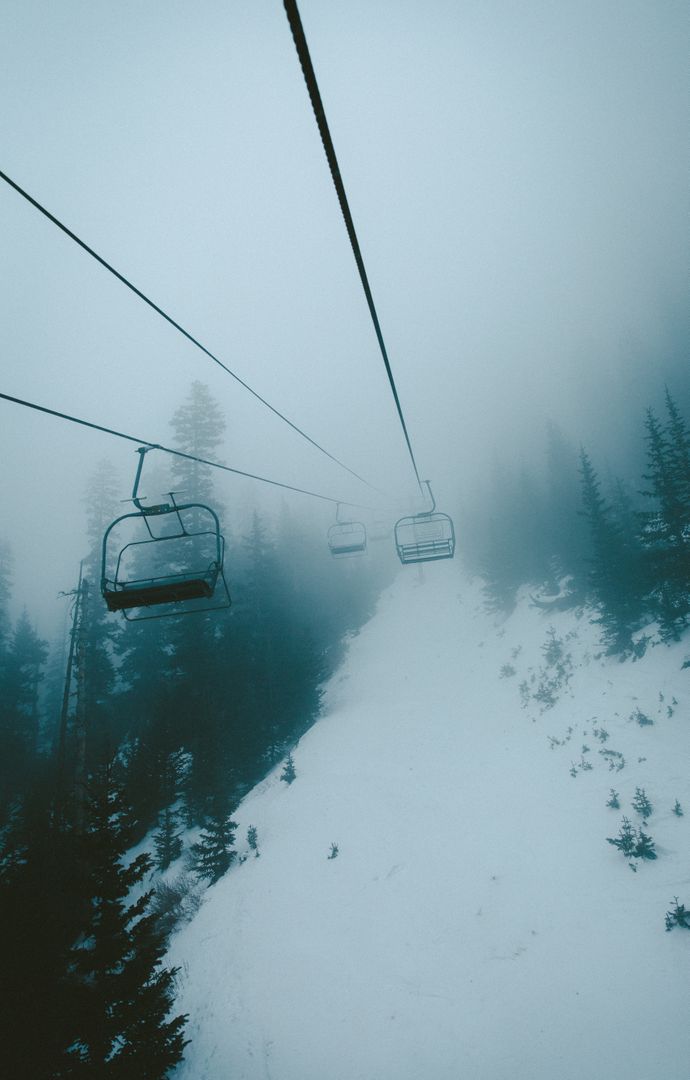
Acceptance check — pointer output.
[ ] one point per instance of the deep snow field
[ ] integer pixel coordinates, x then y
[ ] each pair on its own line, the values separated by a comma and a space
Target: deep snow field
475, 924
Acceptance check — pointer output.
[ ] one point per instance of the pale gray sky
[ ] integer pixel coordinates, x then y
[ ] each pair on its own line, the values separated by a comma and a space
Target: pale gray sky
517, 173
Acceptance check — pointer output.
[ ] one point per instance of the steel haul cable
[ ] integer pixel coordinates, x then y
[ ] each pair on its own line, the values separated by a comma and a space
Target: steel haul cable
300, 40
177, 453
168, 318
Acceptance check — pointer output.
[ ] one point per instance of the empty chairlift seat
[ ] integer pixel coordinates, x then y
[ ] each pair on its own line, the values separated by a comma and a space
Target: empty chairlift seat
347, 538
425, 537
167, 557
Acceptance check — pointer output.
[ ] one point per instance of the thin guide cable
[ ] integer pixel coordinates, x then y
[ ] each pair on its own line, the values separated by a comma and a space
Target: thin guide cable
300, 40
177, 453
185, 333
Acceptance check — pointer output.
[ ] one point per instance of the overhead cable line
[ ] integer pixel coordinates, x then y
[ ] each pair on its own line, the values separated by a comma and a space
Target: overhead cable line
176, 453
168, 318
300, 40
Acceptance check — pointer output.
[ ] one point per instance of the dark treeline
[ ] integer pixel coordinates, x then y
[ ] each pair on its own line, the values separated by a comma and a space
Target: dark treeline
620, 546
162, 726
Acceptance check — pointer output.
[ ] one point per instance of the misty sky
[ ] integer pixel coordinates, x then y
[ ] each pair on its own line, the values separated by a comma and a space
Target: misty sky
517, 172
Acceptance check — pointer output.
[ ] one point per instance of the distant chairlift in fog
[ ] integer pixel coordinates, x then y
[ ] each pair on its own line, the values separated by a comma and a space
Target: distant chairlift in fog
346, 538
178, 569
425, 537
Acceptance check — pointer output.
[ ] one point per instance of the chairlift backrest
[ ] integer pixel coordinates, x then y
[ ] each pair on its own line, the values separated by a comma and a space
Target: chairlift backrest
172, 560
425, 537
347, 538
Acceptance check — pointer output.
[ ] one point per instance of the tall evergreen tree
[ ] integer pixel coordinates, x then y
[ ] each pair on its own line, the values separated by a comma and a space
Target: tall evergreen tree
199, 427
213, 855
19, 706
124, 996
666, 529
6, 562
613, 576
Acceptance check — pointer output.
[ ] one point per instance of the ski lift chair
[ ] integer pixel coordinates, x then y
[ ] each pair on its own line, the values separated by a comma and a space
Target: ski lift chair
346, 538
184, 561
425, 537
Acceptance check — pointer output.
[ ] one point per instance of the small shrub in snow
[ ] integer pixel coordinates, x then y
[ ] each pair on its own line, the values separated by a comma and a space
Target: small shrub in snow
625, 841
642, 719
644, 848
289, 772
679, 915
252, 840
677, 809
616, 761
175, 902
507, 671
612, 800
552, 648
524, 693
633, 843
641, 803
334, 852
639, 647
601, 734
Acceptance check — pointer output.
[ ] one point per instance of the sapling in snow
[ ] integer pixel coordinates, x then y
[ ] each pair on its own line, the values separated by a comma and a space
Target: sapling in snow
644, 846
677, 809
642, 718
633, 843
679, 915
334, 852
641, 803
612, 800
289, 772
252, 840
625, 841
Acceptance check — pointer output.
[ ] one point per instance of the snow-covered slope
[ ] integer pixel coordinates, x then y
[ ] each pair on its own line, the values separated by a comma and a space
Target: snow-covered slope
475, 924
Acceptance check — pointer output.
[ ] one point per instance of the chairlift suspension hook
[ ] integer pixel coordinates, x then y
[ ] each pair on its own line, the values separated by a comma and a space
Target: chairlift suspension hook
431, 496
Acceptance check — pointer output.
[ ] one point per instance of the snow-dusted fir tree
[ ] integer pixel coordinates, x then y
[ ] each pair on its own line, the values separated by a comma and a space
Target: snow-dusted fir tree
614, 571
289, 772
213, 854
122, 997
167, 839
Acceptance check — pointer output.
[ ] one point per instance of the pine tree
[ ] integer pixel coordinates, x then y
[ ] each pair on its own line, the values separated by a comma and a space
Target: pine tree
213, 856
6, 562
564, 531
641, 803
679, 460
121, 994
679, 915
199, 427
19, 706
613, 580
167, 839
289, 772
666, 529
42, 903
626, 839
